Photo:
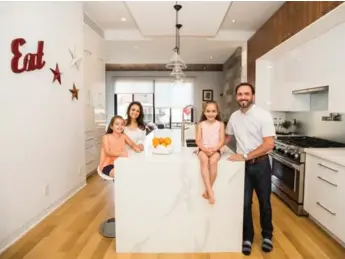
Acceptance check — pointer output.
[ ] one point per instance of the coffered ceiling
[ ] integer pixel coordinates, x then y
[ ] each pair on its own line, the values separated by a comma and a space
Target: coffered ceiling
144, 31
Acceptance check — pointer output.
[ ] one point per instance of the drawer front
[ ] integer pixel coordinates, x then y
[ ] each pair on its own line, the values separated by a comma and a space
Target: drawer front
318, 205
324, 187
324, 169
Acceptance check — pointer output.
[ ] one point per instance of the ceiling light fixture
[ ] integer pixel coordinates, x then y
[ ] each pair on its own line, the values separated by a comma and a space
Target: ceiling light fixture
233, 21
176, 63
211, 57
123, 19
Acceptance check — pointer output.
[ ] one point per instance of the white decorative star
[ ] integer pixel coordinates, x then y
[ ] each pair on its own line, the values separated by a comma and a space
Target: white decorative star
75, 58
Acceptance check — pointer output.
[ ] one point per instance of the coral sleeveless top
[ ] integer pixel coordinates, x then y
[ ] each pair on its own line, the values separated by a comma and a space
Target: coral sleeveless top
116, 145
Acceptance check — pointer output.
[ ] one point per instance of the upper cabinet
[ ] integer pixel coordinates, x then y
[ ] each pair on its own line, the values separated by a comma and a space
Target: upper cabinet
292, 17
318, 62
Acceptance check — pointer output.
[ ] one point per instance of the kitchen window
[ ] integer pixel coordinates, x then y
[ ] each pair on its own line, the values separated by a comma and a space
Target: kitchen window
162, 100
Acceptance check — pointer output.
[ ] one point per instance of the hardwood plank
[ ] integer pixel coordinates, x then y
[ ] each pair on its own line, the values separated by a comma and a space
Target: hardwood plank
71, 232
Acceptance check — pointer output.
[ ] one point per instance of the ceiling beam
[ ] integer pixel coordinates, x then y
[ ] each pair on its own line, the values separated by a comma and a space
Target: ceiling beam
161, 67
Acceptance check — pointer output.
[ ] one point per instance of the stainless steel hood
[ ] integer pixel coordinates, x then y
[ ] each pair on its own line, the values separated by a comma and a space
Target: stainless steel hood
317, 89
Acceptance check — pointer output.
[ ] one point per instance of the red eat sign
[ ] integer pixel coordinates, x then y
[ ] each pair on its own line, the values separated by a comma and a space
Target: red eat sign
31, 61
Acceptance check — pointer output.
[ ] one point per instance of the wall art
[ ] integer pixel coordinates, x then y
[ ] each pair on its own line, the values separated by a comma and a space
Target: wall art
57, 74
29, 61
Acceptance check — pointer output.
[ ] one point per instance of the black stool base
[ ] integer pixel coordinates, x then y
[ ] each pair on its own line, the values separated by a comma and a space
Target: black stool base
107, 228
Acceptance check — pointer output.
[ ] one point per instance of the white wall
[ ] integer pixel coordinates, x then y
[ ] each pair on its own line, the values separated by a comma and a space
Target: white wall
94, 78
203, 81
42, 129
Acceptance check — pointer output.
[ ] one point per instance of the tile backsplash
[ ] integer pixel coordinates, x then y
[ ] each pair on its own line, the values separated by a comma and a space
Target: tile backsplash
313, 125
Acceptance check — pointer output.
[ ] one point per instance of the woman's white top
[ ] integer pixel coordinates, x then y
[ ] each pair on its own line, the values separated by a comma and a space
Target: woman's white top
136, 135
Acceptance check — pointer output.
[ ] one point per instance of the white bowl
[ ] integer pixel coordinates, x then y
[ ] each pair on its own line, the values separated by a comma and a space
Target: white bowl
161, 150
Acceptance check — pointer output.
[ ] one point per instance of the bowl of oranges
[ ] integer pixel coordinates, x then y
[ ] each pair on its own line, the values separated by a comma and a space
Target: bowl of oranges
162, 145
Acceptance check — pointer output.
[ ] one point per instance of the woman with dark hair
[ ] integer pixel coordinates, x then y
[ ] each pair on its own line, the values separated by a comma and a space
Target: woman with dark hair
135, 126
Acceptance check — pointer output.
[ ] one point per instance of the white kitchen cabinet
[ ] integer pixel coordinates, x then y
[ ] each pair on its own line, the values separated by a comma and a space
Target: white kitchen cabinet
324, 194
274, 86
94, 83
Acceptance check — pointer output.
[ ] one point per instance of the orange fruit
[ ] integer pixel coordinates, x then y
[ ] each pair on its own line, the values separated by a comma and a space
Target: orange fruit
161, 140
155, 142
167, 141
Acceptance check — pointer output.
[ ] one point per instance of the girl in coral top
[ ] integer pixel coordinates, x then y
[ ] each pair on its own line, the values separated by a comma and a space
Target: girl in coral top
114, 145
210, 139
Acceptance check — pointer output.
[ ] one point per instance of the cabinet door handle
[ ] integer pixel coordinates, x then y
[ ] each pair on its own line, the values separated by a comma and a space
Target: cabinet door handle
323, 179
334, 170
330, 212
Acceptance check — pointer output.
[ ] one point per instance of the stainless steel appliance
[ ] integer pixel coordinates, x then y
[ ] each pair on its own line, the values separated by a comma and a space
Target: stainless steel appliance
288, 167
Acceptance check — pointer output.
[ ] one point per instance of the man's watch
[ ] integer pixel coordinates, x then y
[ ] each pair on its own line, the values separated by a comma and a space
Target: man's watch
245, 156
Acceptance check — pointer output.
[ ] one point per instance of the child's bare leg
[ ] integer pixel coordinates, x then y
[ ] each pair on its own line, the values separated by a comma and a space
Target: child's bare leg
204, 166
213, 161
112, 172
214, 166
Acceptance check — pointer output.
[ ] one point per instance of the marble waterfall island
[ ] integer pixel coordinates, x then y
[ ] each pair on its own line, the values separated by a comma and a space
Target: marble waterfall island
160, 208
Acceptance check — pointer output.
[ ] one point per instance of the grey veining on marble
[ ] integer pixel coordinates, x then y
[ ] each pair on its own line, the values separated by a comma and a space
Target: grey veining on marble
160, 209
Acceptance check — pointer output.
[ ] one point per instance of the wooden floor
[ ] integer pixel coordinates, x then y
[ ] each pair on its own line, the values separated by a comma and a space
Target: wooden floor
71, 232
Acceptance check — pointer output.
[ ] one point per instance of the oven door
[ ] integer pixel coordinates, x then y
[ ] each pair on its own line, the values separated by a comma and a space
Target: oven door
288, 177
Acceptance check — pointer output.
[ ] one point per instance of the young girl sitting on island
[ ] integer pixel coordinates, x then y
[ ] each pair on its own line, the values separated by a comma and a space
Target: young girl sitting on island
210, 139
114, 145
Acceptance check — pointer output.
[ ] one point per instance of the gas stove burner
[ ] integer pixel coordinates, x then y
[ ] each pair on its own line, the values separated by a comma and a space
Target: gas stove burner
309, 142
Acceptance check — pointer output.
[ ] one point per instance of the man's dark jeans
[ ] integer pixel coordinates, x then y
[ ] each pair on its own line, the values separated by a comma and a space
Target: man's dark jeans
258, 178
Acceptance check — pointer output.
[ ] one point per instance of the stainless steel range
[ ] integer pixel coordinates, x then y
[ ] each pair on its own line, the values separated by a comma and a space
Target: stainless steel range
288, 167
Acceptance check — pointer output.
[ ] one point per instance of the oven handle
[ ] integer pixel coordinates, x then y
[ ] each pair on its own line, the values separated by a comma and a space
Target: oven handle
285, 162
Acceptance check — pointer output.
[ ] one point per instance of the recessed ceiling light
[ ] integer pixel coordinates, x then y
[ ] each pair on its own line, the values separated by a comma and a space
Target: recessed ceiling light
136, 47
211, 57
123, 19
233, 21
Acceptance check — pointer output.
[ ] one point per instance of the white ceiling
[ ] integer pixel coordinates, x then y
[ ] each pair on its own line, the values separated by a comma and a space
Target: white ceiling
143, 31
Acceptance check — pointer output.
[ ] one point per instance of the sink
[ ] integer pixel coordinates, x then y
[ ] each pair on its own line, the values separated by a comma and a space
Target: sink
191, 143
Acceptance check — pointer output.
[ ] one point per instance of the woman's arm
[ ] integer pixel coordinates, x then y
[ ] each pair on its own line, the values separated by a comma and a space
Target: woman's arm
107, 149
131, 143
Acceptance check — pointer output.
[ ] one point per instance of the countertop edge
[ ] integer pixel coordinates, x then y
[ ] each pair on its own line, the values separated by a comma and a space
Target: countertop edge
325, 153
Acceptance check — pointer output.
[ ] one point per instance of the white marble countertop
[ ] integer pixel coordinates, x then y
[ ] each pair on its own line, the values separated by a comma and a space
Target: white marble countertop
335, 155
160, 208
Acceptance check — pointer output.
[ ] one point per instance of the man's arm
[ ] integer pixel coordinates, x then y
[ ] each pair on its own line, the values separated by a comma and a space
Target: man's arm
229, 132
263, 149
227, 139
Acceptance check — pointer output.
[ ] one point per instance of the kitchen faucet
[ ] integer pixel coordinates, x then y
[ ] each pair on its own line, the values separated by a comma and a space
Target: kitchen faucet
183, 122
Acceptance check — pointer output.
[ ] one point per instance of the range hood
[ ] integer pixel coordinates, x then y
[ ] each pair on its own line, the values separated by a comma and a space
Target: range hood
317, 89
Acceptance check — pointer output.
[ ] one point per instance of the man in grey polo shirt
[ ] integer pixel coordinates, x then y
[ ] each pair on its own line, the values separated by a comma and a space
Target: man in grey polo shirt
254, 132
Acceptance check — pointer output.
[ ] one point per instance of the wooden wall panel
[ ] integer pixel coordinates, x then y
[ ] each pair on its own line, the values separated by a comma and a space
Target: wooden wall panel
288, 20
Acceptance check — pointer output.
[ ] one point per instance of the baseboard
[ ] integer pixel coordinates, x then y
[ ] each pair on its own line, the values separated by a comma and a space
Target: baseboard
318, 224
91, 173
32, 223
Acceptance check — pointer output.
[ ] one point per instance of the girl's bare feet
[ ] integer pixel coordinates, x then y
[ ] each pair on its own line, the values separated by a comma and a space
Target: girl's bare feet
205, 194
211, 197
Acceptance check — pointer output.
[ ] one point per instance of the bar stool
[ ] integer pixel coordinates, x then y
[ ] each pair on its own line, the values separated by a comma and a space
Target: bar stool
107, 228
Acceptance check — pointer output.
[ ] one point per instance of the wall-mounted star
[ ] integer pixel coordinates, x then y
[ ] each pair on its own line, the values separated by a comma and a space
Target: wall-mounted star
75, 59
57, 73
74, 92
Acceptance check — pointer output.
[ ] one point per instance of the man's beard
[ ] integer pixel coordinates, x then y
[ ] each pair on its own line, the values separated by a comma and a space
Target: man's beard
245, 104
